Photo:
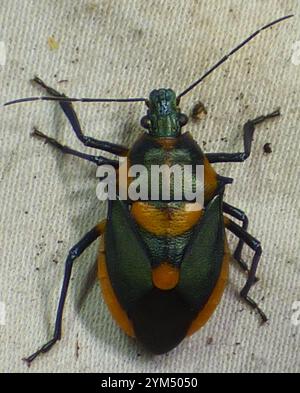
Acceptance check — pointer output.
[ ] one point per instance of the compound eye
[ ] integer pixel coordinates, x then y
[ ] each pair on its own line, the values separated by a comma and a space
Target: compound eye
183, 119
145, 122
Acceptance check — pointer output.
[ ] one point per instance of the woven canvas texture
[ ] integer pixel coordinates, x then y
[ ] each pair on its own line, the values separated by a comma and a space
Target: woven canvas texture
48, 201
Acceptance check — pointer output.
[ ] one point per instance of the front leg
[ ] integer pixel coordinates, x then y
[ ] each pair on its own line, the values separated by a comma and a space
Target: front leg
249, 129
69, 111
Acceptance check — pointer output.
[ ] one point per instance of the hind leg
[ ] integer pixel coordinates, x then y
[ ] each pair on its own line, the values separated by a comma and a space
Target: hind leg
239, 215
256, 247
74, 253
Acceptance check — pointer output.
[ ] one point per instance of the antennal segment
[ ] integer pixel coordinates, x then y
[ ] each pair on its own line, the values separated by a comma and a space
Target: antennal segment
231, 53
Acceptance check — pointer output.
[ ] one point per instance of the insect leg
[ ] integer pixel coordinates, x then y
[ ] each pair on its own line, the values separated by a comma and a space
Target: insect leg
74, 253
256, 247
249, 129
98, 160
69, 111
239, 215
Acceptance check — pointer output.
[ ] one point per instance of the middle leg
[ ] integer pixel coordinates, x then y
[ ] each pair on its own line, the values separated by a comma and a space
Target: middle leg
239, 215
98, 160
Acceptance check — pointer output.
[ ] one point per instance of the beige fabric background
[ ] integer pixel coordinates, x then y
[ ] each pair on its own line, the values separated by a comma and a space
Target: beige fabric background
127, 48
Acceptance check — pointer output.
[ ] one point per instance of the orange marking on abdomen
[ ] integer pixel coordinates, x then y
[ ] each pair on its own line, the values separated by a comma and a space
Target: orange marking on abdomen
109, 296
165, 276
215, 297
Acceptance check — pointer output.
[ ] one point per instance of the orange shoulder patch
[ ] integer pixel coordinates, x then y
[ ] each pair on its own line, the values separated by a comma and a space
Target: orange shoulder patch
166, 221
210, 180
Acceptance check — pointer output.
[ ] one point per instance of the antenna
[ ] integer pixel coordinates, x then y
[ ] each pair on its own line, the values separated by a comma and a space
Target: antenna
67, 99
231, 53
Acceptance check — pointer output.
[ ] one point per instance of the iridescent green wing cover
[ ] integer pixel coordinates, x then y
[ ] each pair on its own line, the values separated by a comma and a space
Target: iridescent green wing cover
128, 263
202, 262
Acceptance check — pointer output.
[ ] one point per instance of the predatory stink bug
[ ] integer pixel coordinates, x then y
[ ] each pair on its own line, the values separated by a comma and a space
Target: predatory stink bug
167, 283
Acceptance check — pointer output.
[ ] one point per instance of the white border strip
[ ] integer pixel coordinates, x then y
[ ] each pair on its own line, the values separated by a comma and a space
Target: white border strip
2, 53
2, 314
